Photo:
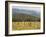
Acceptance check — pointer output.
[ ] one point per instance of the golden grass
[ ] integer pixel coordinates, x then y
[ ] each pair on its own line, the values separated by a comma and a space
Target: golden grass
25, 25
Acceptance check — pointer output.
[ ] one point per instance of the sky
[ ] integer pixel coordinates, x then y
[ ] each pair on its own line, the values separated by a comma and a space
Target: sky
26, 10
37, 9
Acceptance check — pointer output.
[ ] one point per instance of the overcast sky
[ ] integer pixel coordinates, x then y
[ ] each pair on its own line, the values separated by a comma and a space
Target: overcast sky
37, 9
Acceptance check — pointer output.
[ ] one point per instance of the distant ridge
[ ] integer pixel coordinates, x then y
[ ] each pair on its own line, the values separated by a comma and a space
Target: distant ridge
27, 12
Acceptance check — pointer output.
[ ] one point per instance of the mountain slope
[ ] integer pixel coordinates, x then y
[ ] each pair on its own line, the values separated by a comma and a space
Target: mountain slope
23, 17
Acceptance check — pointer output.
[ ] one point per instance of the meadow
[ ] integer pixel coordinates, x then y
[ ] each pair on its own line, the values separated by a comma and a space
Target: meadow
25, 25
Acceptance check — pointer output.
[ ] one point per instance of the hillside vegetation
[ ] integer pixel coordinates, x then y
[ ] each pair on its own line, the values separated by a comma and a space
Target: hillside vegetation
23, 17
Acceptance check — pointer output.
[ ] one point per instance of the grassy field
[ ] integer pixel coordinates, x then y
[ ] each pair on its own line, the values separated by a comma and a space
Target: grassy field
25, 25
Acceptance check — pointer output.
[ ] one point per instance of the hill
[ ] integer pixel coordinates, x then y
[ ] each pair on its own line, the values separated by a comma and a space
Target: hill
24, 17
